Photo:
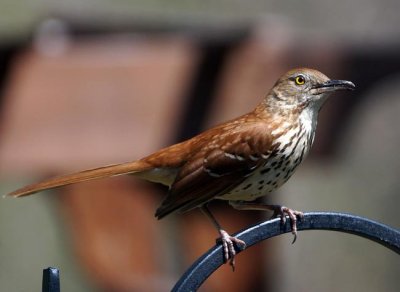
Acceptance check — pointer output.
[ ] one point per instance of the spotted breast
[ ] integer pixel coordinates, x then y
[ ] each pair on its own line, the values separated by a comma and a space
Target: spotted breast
291, 146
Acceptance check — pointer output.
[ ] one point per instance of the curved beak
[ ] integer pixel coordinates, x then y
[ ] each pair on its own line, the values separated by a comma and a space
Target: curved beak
333, 85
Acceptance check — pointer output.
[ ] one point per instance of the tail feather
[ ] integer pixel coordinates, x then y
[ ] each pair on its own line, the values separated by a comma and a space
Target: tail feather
96, 173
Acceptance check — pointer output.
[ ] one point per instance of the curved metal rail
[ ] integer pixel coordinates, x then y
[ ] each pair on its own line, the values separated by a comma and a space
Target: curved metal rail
389, 237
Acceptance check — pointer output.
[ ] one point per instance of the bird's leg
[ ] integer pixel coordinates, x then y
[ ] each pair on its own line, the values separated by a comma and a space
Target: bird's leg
226, 239
279, 211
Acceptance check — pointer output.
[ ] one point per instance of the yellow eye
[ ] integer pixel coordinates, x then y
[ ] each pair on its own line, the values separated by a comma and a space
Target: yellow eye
300, 80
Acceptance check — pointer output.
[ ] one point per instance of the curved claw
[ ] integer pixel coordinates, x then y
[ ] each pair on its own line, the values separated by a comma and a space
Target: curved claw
228, 247
282, 211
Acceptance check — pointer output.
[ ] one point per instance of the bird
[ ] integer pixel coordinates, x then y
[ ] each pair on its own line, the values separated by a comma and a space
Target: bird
237, 161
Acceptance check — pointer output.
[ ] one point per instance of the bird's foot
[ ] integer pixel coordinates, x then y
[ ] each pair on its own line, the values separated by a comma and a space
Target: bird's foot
282, 211
228, 247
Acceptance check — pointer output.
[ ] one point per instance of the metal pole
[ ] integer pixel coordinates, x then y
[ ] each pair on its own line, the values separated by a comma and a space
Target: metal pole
51, 280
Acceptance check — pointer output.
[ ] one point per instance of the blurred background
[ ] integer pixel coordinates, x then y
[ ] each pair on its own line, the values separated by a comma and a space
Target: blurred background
88, 83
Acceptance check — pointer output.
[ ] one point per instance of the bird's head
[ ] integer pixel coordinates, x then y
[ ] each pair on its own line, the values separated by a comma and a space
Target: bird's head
302, 88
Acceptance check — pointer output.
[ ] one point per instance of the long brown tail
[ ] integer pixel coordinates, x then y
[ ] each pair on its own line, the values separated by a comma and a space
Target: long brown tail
96, 173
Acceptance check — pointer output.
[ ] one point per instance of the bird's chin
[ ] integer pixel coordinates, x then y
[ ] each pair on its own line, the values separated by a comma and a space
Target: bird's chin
317, 100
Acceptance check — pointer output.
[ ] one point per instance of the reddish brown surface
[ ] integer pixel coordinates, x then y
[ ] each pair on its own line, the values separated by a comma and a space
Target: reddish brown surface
115, 234
100, 102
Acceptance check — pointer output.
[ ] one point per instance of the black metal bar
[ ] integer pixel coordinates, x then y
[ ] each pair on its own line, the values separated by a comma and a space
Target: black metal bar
389, 237
201, 93
51, 280
8, 53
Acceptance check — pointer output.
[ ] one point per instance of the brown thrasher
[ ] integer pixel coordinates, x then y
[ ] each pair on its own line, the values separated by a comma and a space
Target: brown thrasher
238, 161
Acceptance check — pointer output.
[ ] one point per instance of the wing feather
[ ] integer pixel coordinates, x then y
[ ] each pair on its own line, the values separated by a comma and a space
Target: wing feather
220, 166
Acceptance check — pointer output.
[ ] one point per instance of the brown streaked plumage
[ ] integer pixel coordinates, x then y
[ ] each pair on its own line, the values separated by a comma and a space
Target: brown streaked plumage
239, 160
